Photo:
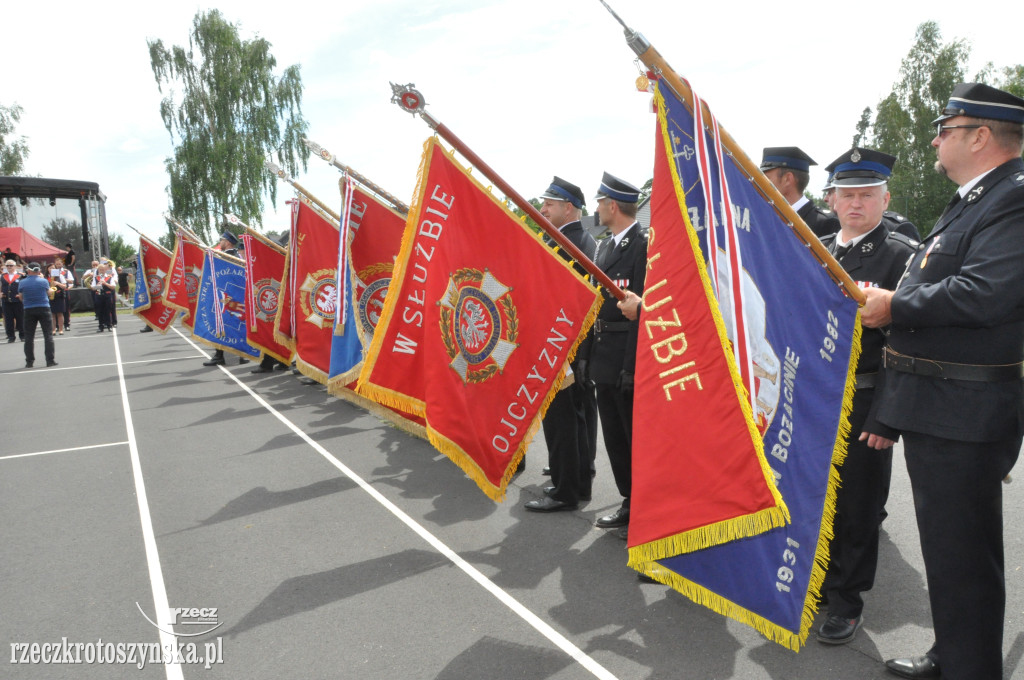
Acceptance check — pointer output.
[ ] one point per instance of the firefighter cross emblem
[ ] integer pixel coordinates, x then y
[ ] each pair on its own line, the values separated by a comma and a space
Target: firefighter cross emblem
479, 324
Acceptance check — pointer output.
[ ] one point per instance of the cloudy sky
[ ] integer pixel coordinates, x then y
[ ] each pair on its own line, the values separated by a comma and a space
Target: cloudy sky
535, 87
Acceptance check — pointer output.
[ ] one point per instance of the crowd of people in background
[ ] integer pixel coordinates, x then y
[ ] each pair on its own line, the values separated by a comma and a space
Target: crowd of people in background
105, 282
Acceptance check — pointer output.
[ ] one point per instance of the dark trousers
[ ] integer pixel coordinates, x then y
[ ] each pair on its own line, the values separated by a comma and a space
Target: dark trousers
104, 308
565, 432
615, 407
958, 498
590, 412
13, 319
860, 508
44, 317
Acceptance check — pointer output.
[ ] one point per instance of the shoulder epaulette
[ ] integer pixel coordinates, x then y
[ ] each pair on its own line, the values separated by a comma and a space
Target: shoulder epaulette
906, 240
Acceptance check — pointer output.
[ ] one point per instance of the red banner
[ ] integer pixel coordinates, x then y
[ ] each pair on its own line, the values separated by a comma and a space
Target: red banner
471, 336
182, 288
375, 237
264, 269
156, 264
305, 316
684, 496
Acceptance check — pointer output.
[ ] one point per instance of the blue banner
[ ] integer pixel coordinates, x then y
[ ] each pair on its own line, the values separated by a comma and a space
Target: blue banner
220, 309
142, 301
346, 345
802, 332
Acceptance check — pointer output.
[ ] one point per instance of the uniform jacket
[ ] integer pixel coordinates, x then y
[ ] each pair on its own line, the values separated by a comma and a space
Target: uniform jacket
612, 354
582, 239
962, 300
879, 259
896, 222
8, 289
821, 223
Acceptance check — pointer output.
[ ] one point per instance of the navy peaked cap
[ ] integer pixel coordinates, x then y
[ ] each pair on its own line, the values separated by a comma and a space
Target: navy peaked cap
230, 238
618, 190
978, 100
560, 190
861, 168
791, 157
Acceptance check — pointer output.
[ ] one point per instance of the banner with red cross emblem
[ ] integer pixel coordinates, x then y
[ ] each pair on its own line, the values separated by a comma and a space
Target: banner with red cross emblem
264, 269
182, 289
478, 325
155, 263
308, 299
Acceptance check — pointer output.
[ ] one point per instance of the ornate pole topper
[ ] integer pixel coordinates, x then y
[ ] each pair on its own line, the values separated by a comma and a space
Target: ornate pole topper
277, 170
411, 100
333, 160
656, 63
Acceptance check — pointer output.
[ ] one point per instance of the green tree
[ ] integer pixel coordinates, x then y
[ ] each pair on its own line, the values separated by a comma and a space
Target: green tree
122, 252
1012, 80
863, 125
61, 231
233, 112
903, 128
13, 152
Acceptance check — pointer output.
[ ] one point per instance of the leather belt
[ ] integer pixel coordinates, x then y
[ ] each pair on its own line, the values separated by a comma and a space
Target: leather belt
865, 380
611, 326
953, 371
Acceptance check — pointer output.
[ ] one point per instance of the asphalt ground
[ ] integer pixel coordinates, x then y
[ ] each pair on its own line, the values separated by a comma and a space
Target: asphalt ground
333, 545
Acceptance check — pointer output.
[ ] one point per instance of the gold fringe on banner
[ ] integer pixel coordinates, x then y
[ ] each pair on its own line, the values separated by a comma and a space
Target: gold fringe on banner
748, 525
642, 557
389, 398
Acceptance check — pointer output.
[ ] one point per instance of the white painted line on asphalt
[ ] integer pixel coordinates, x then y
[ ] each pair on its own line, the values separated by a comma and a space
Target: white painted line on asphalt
539, 624
77, 448
156, 574
125, 363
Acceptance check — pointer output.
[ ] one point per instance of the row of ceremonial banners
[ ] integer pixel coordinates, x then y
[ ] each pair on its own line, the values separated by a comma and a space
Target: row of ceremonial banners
444, 321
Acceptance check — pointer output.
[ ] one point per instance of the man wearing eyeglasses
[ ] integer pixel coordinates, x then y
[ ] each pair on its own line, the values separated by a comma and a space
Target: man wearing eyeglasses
953, 385
12, 310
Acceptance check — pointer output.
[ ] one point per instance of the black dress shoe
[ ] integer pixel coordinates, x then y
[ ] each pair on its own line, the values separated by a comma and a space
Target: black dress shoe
549, 504
216, 361
146, 329
262, 369
619, 518
10, 340
28, 364
51, 363
837, 630
917, 667
546, 472
242, 360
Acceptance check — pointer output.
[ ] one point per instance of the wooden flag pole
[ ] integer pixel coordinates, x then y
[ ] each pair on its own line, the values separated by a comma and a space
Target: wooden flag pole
152, 241
277, 170
333, 160
184, 229
410, 100
654, 61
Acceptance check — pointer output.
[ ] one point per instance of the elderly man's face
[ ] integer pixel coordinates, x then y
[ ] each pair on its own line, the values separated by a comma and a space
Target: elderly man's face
860, 208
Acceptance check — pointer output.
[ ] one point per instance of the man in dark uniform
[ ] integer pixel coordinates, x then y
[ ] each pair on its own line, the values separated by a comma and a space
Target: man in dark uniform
788, 168
894, 221
11, 304
953, 385
611, 355
227, 244
566, 430
872, 256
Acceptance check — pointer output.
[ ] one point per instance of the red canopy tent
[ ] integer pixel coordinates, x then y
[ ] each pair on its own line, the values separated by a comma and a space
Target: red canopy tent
27, 246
